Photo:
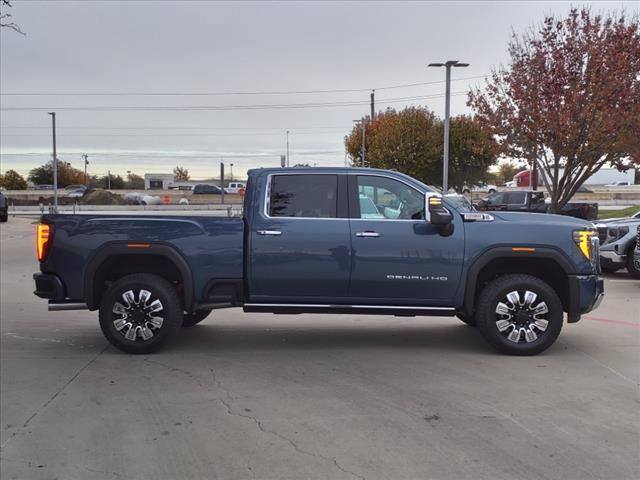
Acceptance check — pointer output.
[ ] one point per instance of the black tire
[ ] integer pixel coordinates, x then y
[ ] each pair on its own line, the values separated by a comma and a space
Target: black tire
137, 318
191, 319
466, 191
632, 267
471, 321
492, 190
522, 323
4, 218
609, 269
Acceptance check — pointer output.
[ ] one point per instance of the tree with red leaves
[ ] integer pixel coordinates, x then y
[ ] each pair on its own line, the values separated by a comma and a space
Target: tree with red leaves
569, 101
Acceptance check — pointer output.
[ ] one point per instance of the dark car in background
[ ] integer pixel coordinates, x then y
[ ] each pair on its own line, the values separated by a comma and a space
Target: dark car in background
4, 208
206, 190
534, 201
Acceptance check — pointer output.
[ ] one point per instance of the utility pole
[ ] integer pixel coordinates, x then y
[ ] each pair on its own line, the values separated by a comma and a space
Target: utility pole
221, 181
55, 162
288, 149
363, 149
108, 179
445, 160
231, 172
86, 162
373, 104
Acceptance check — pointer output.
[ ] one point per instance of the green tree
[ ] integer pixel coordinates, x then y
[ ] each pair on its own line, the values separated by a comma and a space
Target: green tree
506, 172
67, 175
116, 182
411, 141
472, 151
12, 180
134, 182
181, 174
569, 100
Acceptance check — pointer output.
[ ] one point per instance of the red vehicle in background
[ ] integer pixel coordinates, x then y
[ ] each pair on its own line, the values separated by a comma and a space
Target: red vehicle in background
524, 178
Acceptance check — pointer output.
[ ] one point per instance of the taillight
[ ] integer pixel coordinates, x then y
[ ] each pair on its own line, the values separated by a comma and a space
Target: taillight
43, 235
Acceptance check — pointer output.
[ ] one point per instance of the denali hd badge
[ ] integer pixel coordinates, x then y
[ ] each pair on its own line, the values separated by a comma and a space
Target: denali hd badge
418, 277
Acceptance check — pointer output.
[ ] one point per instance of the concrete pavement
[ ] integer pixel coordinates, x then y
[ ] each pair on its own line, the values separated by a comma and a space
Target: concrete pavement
319, 397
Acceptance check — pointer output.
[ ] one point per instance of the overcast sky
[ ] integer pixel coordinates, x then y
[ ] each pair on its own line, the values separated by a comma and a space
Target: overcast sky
200, 47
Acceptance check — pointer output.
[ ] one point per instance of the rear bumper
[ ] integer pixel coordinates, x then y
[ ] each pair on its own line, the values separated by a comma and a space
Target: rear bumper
585, 294
48, 285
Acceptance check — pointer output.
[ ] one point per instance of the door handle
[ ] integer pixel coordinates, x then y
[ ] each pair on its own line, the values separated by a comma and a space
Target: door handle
270, 233
368, 234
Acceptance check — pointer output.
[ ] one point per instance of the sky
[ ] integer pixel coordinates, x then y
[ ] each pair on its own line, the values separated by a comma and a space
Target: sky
143, 86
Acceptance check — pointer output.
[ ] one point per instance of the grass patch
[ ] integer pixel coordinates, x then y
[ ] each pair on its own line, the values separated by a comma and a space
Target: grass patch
625, 212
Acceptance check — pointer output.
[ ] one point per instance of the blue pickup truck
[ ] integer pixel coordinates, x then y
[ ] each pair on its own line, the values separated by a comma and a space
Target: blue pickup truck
325, 240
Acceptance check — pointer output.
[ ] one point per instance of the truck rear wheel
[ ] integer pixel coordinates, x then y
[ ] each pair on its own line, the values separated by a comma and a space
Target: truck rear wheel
140, 312
191, 319
519, 314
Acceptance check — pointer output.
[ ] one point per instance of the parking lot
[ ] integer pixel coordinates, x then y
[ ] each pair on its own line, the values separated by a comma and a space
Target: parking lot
331, 397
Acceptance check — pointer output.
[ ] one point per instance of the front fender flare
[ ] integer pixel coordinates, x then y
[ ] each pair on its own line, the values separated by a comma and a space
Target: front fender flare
507, 252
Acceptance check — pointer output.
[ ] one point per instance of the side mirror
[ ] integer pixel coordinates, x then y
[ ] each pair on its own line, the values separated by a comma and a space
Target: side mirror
437, 213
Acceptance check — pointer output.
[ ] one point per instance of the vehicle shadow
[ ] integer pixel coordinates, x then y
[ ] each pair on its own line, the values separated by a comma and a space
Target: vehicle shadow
210, 337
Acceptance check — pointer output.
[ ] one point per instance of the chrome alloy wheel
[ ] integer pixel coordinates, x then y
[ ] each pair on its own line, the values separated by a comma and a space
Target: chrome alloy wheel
138, 317
521, 318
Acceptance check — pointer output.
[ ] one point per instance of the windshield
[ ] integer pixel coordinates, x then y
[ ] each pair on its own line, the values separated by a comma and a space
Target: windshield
460, 202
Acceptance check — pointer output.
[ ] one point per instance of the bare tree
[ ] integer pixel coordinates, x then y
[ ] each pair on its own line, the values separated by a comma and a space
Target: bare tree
5, 18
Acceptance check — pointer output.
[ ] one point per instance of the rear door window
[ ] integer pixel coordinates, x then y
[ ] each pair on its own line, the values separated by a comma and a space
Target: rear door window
305, 196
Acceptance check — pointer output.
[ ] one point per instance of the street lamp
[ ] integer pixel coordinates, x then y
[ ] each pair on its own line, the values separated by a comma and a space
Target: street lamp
287, 148
231, 172
363, 148
445, 161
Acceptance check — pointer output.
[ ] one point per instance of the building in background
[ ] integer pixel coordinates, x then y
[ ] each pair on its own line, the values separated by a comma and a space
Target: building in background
157, 181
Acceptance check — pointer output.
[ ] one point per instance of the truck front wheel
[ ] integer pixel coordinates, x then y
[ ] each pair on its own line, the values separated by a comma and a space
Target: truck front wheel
519, 314
140, 312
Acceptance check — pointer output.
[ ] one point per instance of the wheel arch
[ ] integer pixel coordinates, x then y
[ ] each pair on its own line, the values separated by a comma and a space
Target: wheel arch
159, 259
548, 264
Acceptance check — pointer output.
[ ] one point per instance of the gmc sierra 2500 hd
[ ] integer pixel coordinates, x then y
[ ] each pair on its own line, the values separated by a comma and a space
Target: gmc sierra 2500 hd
325, 240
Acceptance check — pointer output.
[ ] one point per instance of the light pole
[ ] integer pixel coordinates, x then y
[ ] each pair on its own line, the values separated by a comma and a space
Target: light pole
363, 147
55, 162
445, 160
231, 172
287, 148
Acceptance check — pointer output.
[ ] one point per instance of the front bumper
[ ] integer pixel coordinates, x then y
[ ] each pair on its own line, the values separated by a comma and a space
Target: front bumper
585, 294
611, 257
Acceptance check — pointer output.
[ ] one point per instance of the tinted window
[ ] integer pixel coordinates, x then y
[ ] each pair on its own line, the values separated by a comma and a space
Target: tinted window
496, 199
313, 196
512, 198
385, 198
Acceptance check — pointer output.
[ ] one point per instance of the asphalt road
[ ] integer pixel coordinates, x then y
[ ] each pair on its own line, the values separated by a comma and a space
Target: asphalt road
290, 397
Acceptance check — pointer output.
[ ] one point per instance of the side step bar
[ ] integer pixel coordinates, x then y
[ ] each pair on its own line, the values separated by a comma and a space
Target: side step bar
292, 308
55, 306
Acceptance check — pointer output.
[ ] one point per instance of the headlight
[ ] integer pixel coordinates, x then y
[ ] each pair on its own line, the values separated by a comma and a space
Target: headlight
618, 232
583, 241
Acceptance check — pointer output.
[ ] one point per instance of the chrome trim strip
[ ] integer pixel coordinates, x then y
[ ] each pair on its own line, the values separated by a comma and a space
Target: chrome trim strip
385, 307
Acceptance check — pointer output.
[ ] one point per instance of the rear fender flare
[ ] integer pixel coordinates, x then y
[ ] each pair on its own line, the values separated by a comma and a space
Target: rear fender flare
119, 248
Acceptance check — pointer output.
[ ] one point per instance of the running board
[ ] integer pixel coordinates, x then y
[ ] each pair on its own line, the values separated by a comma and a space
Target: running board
295, 308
